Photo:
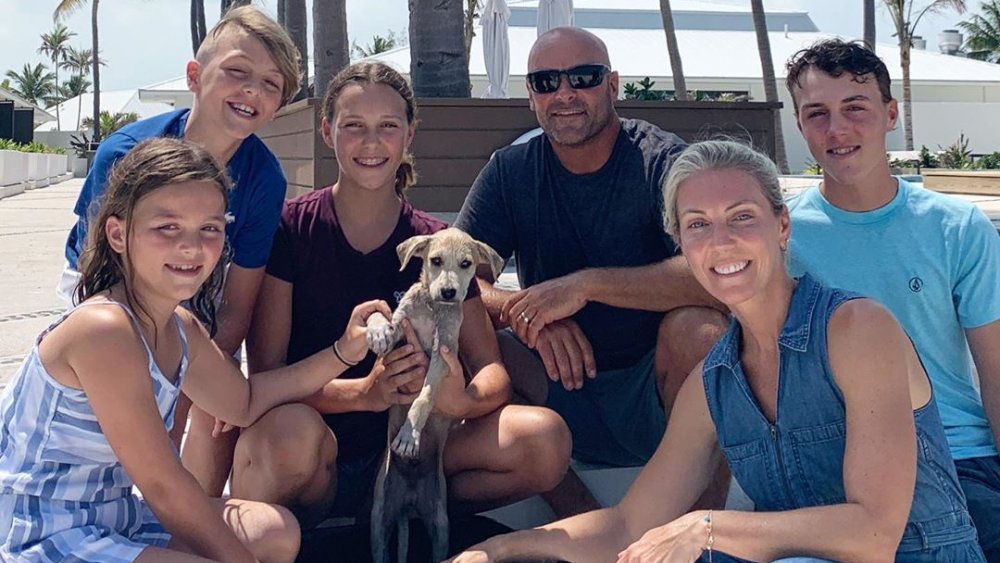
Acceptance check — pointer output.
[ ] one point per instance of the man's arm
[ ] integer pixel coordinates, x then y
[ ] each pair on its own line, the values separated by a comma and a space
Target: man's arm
663, 286
984, 342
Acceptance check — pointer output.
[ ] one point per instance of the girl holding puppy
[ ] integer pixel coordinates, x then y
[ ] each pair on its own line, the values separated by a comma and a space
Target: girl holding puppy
336, 247
88, 414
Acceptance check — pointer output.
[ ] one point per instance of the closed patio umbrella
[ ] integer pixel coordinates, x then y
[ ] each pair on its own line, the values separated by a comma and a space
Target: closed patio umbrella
554, 13
496, 48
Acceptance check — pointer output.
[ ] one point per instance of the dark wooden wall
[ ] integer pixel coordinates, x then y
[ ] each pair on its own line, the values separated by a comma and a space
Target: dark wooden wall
456, 137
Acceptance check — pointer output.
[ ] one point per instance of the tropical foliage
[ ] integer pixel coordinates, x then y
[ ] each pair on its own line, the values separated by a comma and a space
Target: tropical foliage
35, 84
63, 10
906, 16
80, 61
54, 46
379, 44
982, 33
111, 123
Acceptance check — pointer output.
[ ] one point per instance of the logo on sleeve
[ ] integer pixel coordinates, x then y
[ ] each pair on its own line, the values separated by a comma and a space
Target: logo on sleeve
916, 284
398, 296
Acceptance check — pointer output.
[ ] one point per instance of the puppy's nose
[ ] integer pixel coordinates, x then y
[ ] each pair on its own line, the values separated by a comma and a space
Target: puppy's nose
448, 293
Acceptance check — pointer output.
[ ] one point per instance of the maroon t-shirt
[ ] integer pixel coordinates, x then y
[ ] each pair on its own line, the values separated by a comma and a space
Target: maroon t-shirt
329, 279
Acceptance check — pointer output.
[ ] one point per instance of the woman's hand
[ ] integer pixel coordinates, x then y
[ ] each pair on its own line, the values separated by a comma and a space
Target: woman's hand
352, 344
679, 541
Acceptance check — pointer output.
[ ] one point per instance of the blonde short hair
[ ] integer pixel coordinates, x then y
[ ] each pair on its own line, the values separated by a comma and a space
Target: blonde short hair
274, 38
719, 155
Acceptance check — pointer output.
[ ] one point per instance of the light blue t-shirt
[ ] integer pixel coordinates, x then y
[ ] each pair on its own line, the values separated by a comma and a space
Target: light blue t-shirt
934, 261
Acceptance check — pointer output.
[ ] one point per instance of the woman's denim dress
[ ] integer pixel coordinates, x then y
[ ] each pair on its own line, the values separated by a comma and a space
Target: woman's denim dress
798, 461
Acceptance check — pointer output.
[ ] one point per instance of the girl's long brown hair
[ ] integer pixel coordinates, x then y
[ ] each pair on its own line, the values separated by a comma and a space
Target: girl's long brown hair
377, 73
149, 166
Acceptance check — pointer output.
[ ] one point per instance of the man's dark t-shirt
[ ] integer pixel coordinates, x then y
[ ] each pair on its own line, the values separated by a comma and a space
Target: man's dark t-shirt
525, 202
329, 279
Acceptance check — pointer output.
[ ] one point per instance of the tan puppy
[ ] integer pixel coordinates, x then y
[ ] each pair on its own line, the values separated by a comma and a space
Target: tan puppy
411, 481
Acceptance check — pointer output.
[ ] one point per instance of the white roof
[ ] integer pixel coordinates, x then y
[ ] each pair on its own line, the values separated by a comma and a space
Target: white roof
39, 115
173, 91
643, 52
115, 101
675, 5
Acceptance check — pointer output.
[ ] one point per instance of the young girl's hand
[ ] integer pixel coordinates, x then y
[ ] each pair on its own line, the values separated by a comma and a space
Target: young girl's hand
352, 344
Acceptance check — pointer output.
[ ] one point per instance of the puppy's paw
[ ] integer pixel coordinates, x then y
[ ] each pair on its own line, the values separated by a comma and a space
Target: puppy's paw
407, 441
381, 335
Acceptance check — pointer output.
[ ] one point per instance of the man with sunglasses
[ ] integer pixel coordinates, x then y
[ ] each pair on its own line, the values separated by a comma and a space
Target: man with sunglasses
613, 314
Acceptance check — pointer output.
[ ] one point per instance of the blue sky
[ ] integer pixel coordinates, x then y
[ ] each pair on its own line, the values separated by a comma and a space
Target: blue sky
148, 41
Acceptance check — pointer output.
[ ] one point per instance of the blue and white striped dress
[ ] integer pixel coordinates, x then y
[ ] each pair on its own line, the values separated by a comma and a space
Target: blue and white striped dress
64, 495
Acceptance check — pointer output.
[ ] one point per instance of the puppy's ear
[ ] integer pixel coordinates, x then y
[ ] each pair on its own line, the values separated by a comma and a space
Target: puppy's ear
486, 255
413, 245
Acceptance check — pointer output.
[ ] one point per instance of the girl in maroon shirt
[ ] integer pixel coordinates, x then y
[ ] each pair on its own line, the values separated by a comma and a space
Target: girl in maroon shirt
335, 248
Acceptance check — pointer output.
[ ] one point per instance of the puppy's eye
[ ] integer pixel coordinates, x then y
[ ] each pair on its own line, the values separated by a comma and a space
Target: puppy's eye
436, 260
465, 264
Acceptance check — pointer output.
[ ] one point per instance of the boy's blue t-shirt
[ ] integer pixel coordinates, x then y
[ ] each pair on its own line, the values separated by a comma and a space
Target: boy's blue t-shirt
254, 202
934, 261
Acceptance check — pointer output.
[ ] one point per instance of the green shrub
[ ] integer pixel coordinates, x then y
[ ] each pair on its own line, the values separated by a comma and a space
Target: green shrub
957, 155
812, 168
927, 158
9, 145
989, 161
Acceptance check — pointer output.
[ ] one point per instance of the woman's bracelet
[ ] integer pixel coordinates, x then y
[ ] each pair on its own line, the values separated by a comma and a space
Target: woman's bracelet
711, 538
343, 360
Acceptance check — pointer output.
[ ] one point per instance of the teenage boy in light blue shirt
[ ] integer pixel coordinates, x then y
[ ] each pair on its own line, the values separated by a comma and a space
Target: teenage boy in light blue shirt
932, 259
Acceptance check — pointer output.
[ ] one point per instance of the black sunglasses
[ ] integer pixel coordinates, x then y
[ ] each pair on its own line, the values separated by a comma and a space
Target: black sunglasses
578, 77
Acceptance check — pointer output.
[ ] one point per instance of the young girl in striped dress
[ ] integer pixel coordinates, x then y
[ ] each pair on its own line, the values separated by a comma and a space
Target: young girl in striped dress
88, 414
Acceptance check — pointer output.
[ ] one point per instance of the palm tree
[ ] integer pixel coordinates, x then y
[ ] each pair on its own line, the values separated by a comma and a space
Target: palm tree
80, 61
296, 23
329, 41
378, 45
983, 33
770, 83
33, 84
438, 68
111, 123
64, 9
198, 28
869, 24
54, 46
75, 86
902, 12
676, 68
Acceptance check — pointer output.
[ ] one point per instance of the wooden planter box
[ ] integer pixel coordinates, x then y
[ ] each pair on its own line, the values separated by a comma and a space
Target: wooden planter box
455, 138
975, 182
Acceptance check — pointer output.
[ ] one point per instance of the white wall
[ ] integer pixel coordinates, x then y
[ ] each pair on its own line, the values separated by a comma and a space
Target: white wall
940, 123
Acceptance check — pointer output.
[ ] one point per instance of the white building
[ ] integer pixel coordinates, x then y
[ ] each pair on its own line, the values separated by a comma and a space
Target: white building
951, 95
114, 101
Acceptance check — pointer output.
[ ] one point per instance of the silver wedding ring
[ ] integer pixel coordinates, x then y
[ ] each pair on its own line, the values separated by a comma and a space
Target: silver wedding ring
524, 318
